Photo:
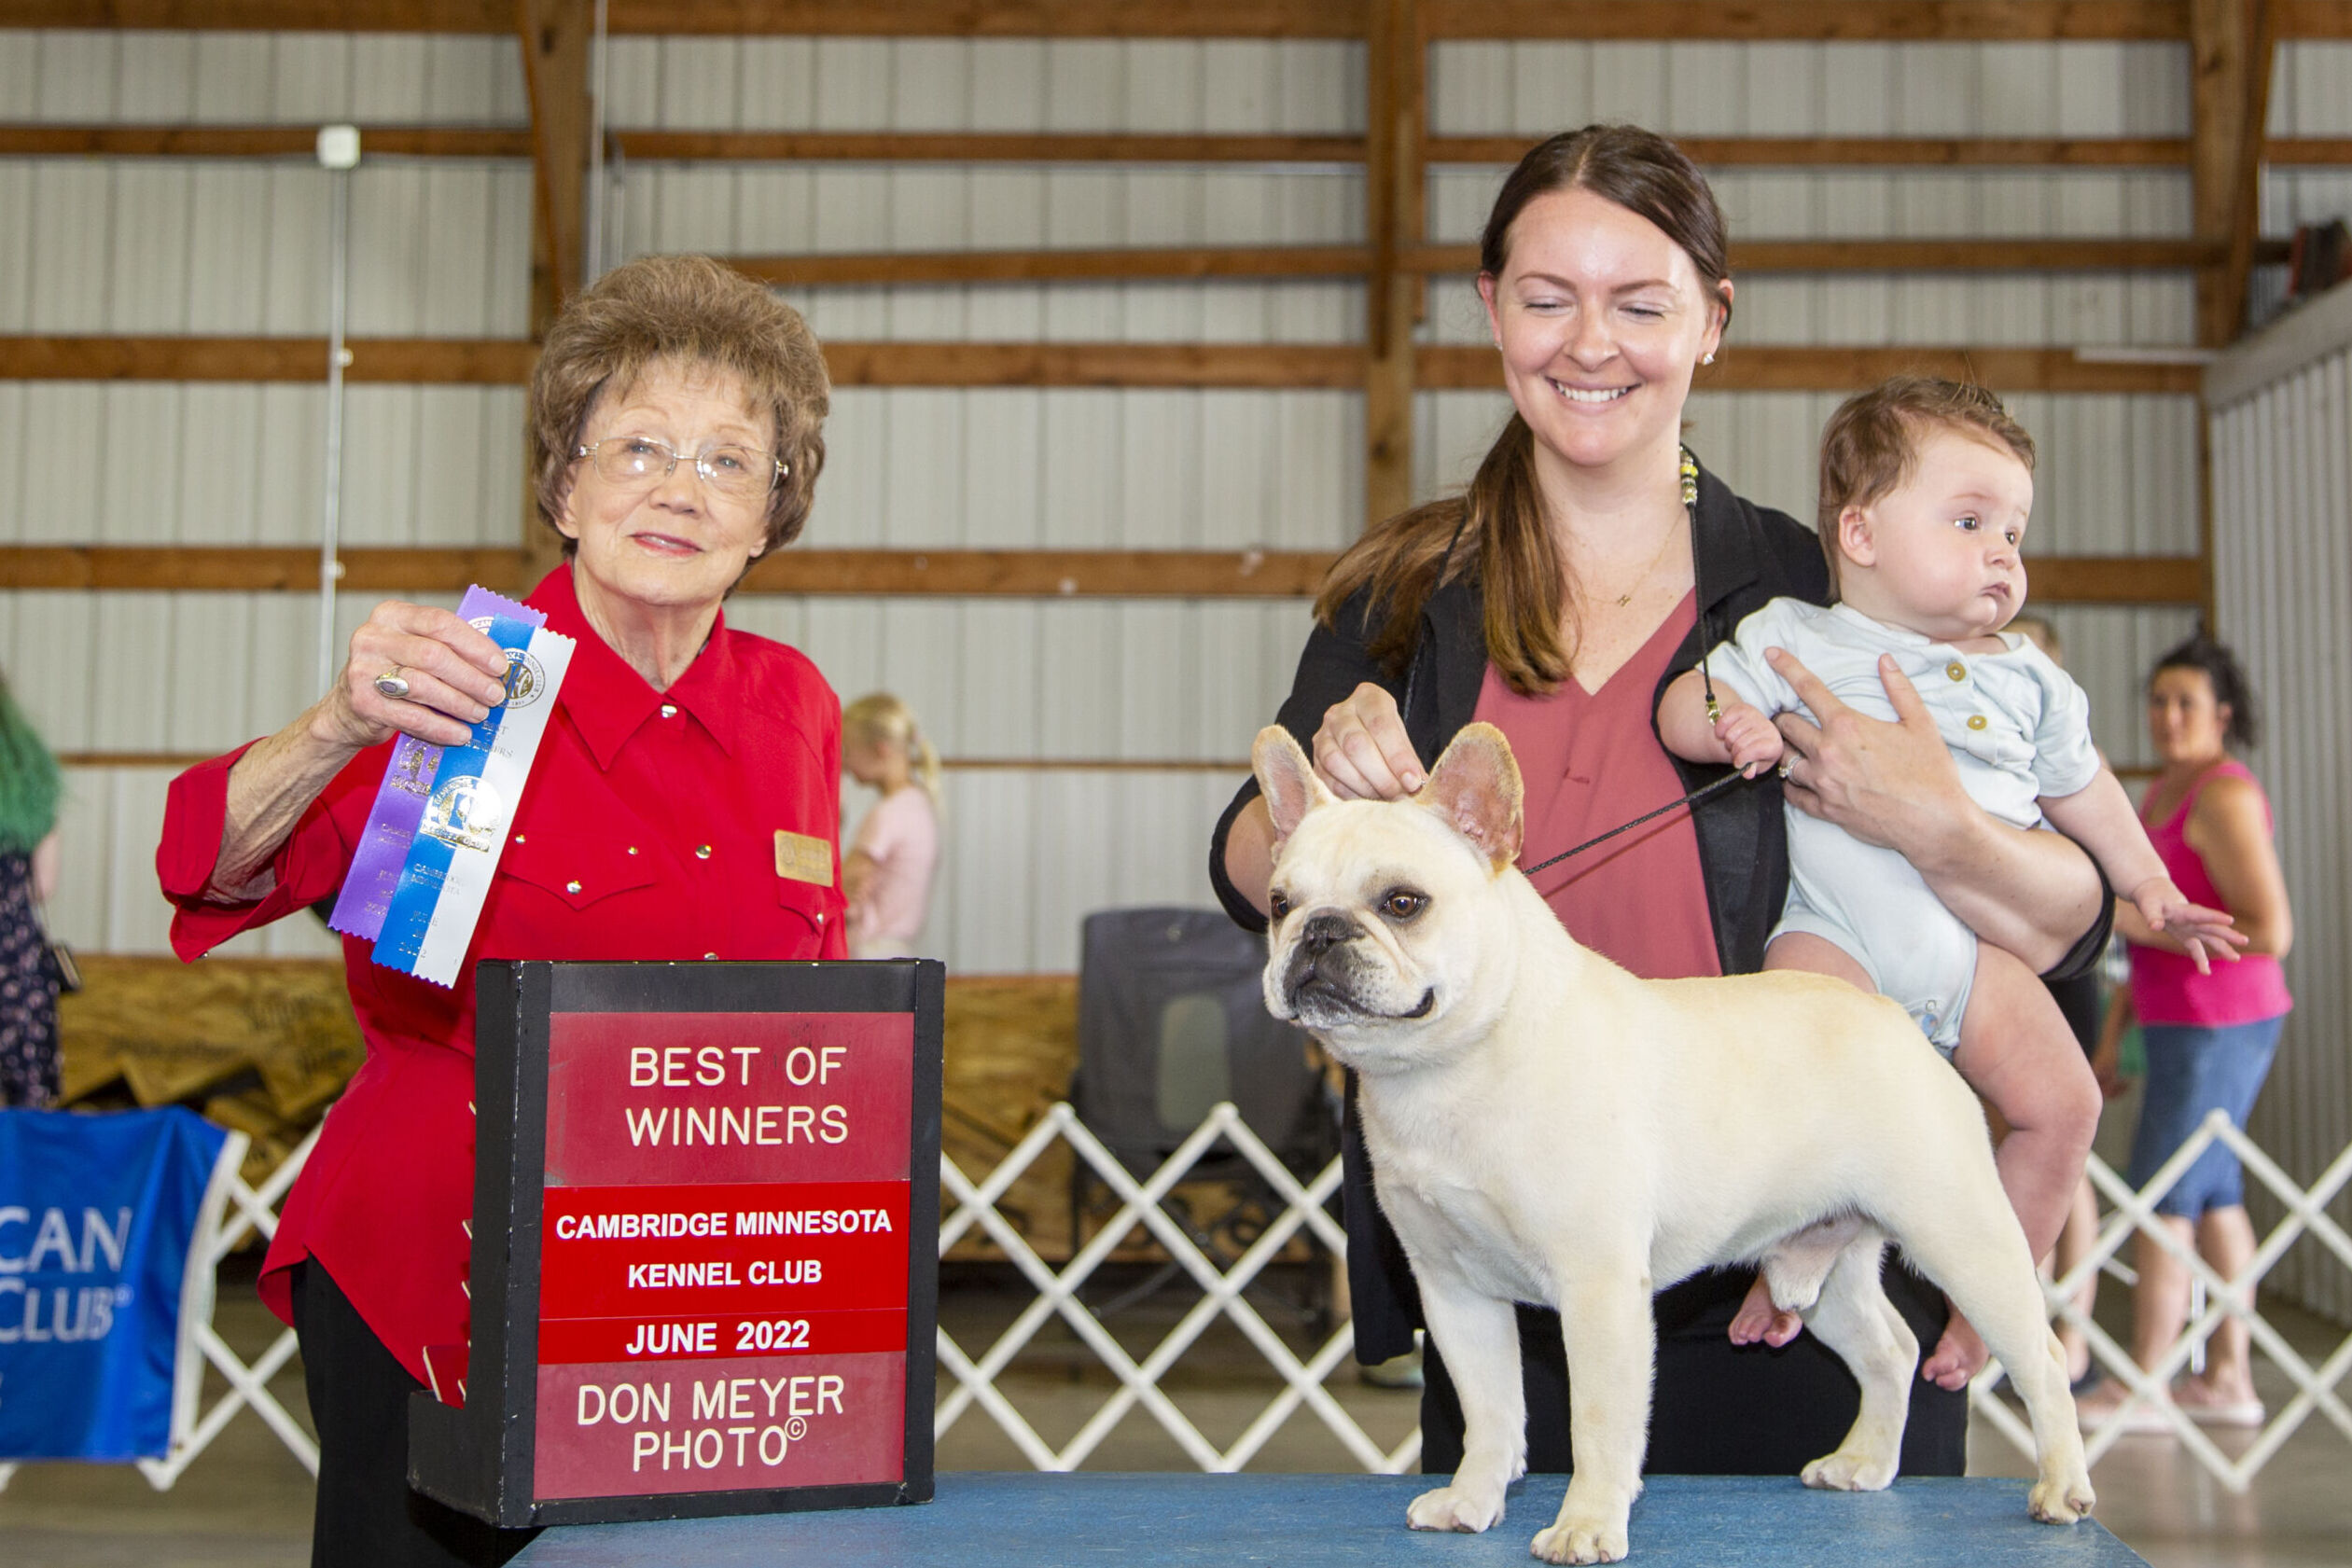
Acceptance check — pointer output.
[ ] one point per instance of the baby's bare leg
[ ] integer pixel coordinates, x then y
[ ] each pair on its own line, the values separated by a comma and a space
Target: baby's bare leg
2016, 1052
1760, 1318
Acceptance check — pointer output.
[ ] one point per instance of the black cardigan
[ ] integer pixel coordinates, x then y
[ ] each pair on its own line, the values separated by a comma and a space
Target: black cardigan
1746, 555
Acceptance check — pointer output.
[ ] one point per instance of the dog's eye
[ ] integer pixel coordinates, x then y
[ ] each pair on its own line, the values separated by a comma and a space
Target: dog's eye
1402, 905
1277, 905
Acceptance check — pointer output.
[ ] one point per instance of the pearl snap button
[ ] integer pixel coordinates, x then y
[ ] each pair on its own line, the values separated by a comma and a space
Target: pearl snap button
710, 955
1956, 670
702, 853
571, 887
668, 710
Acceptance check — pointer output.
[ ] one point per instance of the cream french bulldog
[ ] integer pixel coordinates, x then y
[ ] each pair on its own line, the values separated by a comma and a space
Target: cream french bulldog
1546, 1128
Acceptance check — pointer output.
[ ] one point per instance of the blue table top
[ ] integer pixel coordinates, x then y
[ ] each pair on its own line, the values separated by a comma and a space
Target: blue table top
983, 1518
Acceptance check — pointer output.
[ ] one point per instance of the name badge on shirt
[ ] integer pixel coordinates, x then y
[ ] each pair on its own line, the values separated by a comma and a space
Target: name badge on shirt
803, 858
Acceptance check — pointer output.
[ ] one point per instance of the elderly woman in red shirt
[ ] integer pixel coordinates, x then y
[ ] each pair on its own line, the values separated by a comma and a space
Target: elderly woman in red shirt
675, 428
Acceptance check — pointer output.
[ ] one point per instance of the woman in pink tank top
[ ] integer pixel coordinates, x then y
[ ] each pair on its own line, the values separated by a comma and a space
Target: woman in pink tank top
2209, 1036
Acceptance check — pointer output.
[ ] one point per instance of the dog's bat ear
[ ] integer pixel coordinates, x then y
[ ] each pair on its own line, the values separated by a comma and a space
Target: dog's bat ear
1475, 788
1286, 778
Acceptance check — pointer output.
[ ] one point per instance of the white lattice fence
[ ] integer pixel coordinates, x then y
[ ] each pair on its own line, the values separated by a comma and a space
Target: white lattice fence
2305, 1212
1221, 1295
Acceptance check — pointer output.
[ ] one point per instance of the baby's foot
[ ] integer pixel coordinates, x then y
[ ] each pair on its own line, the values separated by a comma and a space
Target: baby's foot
1759, 1321
1959, 1356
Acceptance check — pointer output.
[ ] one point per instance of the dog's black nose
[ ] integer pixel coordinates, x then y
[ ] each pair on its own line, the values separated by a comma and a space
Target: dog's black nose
1327, 930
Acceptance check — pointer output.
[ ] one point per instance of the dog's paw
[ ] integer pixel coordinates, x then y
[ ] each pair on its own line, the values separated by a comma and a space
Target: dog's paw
1580, 1540
2061, 1502
1467, 1509
1842, 1471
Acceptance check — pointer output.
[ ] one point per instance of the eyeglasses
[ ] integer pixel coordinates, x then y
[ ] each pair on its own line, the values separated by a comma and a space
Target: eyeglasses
738, 472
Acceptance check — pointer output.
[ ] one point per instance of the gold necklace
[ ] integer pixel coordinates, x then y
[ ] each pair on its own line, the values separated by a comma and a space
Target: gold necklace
1627, 597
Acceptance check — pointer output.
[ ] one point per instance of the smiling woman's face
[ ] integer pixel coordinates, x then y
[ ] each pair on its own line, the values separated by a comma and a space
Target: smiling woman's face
1601, 319
672, 543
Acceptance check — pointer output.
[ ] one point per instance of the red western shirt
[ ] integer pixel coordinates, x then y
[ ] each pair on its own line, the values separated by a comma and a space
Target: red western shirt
648, 831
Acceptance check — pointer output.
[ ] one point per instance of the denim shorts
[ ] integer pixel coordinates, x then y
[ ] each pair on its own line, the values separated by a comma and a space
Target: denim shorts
2192, 1070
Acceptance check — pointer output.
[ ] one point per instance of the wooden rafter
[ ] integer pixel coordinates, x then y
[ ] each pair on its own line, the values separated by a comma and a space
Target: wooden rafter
1820, 20
956, 147
44, 140
1011, 266
1912, 256
555, 36
946, 573
257, 140
2230, 69
1335, 367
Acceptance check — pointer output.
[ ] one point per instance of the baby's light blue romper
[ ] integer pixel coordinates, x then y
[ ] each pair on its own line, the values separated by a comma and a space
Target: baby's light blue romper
2019, 729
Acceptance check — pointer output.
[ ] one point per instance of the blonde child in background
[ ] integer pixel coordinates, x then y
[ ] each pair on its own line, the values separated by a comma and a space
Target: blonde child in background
887, 876
1926, 488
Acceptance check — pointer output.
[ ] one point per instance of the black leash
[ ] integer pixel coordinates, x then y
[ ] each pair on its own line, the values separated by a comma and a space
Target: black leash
1690, 466
1691, 799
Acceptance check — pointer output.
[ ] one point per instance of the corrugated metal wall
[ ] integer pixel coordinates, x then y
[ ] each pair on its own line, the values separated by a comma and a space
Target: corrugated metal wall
2282, 493
182, 246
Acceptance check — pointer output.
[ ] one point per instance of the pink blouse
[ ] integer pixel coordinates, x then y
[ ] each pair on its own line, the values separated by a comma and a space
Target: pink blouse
2166, 985
1590, 761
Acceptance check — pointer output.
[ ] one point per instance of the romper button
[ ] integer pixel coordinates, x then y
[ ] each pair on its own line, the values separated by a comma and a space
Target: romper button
1956, 670
1976, 721
702, 853
571, 887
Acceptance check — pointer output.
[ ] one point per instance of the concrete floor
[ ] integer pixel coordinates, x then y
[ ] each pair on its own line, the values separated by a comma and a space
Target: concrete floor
247, 1500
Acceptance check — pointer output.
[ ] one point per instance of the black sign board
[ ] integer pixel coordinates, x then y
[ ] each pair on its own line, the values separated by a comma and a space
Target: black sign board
705, 1241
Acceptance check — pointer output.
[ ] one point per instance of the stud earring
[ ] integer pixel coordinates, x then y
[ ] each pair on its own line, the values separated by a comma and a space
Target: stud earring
1709, 359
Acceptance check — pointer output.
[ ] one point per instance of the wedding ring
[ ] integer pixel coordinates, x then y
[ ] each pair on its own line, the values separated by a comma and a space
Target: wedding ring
1787, 763
390, 685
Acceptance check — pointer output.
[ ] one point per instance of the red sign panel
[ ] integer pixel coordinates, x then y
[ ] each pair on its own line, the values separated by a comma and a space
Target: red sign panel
723, 1252
610, 1430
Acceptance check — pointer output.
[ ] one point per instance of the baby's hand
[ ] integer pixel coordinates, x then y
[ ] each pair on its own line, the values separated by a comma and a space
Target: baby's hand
2203, 932
1753, 739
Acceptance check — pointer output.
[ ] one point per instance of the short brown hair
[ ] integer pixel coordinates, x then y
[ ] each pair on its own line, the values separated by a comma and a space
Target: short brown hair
693, 311
1870, 445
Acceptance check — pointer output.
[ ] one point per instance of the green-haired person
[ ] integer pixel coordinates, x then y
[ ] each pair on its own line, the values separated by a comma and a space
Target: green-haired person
29, 789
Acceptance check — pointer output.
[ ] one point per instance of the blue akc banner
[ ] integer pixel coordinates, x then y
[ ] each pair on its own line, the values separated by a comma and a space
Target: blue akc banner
97, 1218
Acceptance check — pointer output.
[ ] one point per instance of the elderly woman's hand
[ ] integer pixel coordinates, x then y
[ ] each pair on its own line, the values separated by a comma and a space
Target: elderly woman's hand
454, 673
1890, 785
1362, 751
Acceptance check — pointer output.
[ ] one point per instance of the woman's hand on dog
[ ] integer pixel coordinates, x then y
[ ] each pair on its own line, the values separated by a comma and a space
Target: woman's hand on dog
1362, 752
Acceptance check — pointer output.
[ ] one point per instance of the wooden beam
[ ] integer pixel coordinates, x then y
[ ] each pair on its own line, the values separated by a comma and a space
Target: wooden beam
1826, 21
2223, 54
257, 141
942, 572
876, 146
1867, 151
1395, 65
1033, 266
459, 361
1912, 256
1822, 21
33, 140
2307, 152
1341, 366
1334, 365
556, 36
2313, 18
1776, 367
266, 16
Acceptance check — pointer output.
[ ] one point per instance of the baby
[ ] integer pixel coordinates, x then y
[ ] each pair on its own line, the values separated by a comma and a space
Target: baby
1926, 487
